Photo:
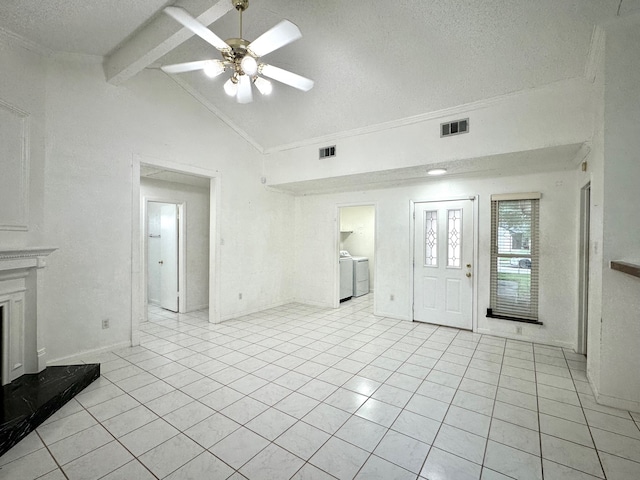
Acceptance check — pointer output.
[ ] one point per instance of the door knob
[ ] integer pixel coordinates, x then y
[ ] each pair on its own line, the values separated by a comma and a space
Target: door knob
468, 274
161, 262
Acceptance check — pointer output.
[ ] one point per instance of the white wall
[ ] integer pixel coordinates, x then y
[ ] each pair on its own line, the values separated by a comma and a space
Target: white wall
361, 222
83, 183
558, 114
22, 86
196, 202
559, 221
619, 382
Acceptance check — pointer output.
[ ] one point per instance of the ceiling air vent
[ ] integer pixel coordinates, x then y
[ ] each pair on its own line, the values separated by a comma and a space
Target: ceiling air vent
454, 128
327, 152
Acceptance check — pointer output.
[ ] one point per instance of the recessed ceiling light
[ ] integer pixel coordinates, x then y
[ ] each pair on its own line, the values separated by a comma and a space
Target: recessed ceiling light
437, 171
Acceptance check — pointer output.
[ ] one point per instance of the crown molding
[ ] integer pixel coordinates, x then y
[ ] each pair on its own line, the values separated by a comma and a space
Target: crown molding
24, 42
423, 117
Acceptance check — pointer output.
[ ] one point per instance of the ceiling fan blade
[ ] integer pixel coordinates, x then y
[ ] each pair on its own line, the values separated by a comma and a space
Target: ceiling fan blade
185, 67
245, 94
282, 34
181, 16
288, 78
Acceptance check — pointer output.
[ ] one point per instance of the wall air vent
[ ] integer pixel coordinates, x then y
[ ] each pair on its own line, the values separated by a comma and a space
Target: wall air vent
327, 152
454, 128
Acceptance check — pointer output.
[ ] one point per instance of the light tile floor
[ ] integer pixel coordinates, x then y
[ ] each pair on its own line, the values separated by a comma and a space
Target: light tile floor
309, 393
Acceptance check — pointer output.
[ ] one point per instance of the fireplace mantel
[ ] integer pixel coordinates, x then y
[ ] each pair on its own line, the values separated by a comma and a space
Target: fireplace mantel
25, 257
21, 286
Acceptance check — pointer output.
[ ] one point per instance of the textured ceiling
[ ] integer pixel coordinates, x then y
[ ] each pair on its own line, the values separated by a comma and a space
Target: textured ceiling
93, 27
629, 6
373, 61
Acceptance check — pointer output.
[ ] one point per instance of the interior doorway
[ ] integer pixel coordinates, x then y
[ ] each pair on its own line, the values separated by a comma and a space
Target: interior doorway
176, 245
356, 251
583, 287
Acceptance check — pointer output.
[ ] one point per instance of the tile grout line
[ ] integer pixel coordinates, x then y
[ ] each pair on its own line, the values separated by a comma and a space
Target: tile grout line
595, 447
486, 447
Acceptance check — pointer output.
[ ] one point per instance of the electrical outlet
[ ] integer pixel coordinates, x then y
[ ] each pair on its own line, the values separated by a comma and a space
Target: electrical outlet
105, 323
239, 296
392, 297
519, 330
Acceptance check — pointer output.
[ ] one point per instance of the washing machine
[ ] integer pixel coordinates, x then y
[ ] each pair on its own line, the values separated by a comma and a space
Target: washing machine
346, 278
360, 276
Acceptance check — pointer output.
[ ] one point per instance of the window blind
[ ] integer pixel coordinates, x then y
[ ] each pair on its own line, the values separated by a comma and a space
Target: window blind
515, 256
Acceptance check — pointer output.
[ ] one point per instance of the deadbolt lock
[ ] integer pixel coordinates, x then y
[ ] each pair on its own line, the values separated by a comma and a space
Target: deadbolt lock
161, 262
468, 265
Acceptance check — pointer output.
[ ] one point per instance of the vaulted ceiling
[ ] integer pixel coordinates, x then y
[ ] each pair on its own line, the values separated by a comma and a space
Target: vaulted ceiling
373, 61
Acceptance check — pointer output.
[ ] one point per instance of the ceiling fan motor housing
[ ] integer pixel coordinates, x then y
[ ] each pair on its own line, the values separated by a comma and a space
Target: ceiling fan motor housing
240, 5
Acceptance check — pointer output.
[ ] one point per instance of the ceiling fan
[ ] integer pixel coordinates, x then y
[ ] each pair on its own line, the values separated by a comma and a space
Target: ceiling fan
242, 57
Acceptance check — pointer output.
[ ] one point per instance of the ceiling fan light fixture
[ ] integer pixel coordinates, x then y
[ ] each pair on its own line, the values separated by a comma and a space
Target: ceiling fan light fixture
231, 87
264, 86
245, 94
249, 65
241, 57
213, 68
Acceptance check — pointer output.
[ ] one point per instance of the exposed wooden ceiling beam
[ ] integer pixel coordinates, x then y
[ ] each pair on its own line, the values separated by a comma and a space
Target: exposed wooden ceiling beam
158, 37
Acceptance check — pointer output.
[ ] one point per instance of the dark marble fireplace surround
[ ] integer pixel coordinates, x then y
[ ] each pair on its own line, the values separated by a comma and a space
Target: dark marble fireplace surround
36, 392
30, 399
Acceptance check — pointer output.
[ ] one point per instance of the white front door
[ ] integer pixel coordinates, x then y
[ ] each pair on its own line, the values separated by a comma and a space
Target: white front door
169, 257
442, 271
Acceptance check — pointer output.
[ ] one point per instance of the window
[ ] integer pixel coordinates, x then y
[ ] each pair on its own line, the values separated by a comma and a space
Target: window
514, 257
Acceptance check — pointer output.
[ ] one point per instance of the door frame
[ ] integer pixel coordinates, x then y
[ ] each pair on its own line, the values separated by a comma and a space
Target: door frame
475, 199
138, 280
583, 268
182, 244
336, 255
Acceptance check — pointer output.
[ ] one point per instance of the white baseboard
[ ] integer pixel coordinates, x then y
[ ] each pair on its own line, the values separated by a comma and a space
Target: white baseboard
525, 338
195, 308
242, 313
76, 357
312, 303
394, 316
615, 402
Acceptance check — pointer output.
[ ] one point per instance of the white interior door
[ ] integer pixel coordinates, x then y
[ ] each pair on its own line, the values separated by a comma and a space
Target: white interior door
442, 271
169, 257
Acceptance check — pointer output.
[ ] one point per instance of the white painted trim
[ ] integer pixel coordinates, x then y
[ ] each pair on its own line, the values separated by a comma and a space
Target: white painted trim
77, 357
242, 313
138, 307
499, 197
610, 401
215, 250
312, 303
22, 224
197, 308
395, 316
436, 114
525, 338
138, 300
